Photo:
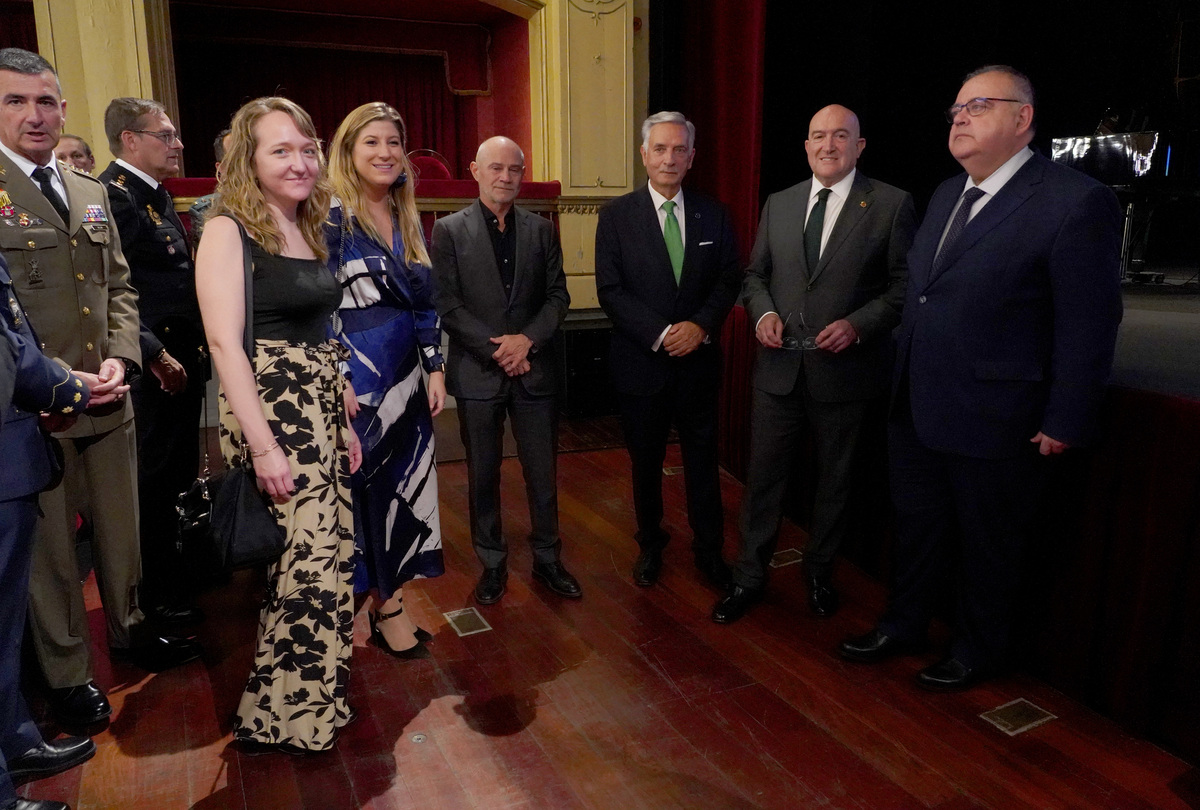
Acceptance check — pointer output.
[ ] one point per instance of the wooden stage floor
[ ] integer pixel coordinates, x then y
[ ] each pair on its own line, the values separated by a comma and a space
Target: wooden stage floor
627, 698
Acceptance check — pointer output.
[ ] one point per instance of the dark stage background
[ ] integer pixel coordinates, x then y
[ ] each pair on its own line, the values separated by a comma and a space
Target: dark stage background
898, 65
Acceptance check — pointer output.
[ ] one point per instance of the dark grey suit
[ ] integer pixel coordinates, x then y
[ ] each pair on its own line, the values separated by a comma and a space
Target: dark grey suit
472, 303
860, 277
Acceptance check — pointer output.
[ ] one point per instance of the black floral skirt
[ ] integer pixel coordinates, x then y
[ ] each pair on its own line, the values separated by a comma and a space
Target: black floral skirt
296, 694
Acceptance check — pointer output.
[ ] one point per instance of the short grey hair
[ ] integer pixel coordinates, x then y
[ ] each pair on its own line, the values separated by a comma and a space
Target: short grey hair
1021, 84
124, 115
27, 63
668, 117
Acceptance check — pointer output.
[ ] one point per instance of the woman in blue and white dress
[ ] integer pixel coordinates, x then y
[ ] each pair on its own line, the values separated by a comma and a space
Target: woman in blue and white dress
389, 325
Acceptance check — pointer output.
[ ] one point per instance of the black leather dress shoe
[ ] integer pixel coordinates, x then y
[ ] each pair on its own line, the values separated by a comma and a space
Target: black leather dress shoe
822, 597
83, 705
734, 606
875, 646
558, 579
647, 568
715, 571
174, 615
40, 804
50, 758
159, 653
948, 675
491, 585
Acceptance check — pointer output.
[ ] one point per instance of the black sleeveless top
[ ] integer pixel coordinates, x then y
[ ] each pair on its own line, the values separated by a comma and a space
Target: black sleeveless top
293, 298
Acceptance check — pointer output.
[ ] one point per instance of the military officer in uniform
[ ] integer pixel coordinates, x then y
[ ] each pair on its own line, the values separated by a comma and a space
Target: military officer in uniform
68, 269
32, 384
167, 399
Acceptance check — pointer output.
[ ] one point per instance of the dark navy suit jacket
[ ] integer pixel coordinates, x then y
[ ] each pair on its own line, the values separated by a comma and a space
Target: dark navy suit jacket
1015, 332
636, 287
38, 384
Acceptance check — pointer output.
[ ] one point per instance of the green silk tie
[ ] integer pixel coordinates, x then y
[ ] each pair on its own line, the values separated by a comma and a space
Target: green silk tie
674, 239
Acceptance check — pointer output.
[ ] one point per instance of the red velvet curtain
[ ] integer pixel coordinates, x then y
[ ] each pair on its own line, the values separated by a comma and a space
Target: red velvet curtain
17, 28
722, 92
214, 79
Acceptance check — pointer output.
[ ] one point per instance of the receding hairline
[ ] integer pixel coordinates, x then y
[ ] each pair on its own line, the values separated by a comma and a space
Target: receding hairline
852, 117
497, 142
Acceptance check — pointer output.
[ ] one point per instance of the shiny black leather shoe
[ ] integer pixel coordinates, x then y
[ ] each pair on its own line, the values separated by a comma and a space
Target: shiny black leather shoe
822, 597
50, 758
948, 675
715, 571
491, 585
734, 606
558, 579
875, 646
174, 615
40, 804
159, 653
647, 568
76, 706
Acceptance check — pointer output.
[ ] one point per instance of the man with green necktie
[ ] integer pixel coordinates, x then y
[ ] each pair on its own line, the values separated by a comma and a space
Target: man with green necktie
667, 274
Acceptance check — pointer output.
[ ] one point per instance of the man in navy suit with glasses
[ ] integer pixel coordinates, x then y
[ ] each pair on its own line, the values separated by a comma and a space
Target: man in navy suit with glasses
1004, 350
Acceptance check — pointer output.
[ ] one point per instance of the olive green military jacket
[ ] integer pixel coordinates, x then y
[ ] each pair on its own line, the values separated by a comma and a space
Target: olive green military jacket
72, 280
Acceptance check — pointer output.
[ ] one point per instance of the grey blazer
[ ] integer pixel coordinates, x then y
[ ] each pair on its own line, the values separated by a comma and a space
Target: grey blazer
861, 277
470, 299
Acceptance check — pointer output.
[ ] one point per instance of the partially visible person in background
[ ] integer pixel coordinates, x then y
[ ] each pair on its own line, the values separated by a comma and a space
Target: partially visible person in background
74, 151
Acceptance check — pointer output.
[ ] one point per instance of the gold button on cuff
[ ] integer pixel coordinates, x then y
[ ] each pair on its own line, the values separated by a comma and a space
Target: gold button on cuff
87, 311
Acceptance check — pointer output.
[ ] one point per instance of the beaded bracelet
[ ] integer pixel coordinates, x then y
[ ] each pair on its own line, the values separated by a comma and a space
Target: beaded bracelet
264, 451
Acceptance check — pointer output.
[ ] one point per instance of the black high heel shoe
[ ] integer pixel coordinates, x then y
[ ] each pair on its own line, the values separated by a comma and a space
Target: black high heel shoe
413, 653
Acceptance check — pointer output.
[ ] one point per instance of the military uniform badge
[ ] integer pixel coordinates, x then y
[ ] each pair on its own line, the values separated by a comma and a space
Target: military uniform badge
120, 181
154, 217
95, 213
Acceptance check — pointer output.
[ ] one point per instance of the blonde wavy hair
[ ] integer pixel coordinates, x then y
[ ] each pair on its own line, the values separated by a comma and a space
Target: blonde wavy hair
239, 192
347, 184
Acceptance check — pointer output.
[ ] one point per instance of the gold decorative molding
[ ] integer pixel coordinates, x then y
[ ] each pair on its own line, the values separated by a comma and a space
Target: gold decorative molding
597, 7
525, 9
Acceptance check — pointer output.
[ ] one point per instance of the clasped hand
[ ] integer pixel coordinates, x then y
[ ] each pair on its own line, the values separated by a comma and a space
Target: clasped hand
683, 338
108, 385
512, 354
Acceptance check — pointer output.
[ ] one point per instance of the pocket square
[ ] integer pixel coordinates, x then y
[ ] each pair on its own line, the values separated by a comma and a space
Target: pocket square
702, 244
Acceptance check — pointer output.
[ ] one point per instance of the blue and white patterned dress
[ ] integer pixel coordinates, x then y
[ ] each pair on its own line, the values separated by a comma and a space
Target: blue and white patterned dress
392, 330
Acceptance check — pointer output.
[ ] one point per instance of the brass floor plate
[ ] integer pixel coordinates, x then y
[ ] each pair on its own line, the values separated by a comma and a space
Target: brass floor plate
1017, 716
467, 622
786, 556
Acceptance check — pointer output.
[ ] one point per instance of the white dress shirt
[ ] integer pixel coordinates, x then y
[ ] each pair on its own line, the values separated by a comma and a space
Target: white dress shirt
150, 181
990, 187
27, 166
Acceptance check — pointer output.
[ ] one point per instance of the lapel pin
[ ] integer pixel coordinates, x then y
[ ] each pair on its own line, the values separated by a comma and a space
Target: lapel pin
862, 204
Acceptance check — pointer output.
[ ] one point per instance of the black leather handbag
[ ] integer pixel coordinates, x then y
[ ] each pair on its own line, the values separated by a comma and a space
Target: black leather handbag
224, 519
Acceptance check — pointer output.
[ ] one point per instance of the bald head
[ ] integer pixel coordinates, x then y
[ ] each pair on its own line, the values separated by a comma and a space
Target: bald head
834, 143
499, 146
499, 167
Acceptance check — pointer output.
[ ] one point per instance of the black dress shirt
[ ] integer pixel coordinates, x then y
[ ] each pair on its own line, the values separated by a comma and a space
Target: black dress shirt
504, 243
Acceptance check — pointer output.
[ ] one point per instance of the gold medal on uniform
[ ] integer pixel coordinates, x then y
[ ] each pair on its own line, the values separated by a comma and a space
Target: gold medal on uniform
24, 221
6, 204
154, 217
